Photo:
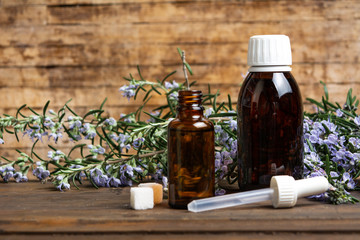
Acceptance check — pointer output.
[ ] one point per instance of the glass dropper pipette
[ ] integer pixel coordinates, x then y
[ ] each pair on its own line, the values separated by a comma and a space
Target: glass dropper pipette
283, 192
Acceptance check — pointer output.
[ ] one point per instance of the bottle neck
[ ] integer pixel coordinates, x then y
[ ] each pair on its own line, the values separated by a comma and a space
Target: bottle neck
280, 68
189, 105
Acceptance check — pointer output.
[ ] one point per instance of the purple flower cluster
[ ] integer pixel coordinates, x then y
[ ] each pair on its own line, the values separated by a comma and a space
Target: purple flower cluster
138, 142
227, 154
81, 174
128, 119
75, 123
128, 90
208, 112
20, 177
76, 128
35, 133
88, 130
324, 139
114, 178
61, 183
172, 85
122, 140
40, 171
96, 150
55, 128
111, 122
55, 156
7, 172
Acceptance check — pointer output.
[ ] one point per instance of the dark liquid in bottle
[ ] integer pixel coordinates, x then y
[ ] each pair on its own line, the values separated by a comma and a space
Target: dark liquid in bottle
270, 118
191, 166
191, 152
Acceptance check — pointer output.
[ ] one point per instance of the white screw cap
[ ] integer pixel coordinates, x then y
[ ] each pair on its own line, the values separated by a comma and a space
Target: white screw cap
287, 190
269, 50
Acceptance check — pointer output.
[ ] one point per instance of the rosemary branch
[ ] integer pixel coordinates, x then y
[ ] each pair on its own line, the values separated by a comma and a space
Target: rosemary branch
140, 156
184, 69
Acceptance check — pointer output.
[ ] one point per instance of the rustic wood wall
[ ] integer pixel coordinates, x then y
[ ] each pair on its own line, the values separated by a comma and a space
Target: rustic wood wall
80, 49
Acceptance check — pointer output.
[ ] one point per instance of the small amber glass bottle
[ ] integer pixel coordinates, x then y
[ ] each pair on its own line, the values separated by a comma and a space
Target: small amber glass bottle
270, 115
191, 159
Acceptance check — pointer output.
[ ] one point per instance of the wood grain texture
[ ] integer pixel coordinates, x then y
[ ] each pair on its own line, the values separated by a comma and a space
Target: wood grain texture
80, 49
106, 211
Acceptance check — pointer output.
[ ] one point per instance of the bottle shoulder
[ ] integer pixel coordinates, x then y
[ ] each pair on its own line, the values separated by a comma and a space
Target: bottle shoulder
200, 124
270, 83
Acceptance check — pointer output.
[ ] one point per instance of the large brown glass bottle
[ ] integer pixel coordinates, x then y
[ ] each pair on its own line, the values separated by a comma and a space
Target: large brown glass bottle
191, 149
270, 117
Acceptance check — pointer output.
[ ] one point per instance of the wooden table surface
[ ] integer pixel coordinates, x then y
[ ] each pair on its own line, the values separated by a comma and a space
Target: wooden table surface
38, 211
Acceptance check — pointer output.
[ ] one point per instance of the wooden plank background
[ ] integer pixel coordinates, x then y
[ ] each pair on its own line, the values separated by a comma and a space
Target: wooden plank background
80, 49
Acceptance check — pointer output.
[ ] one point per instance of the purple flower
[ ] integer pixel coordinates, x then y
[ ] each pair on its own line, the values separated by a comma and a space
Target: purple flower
114, 182
217, 129
19, 177
138, 169
226, 158
331, 139
125, 181
128, 91
174, 95
217, 164
219, 192
334, 174
95, 150
340, 154
114, 137
35, 133
129, 170
339, 113
331, 126
99, 178
208, 112
101, 150
88, 131
168, 85
111, 122
41, 173
315, 136
232, 125
8, 175
75, 124
354, 141
138, 142
48, 123
314, 157
165, 181
127, 119
347, 179
55, 136
63, 185
357, 120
